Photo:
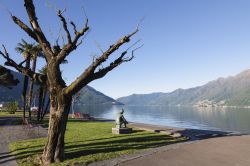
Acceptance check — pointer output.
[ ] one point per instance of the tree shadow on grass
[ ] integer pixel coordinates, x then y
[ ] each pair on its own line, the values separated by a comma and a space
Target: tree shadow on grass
105, 145
118, 145
7, 121
87, 140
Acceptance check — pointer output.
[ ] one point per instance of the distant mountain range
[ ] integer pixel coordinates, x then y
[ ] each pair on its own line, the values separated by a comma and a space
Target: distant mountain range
230, 91
88, 95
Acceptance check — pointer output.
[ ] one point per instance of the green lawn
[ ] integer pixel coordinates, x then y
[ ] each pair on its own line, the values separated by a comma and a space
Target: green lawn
88, 142
17, 115
5, 113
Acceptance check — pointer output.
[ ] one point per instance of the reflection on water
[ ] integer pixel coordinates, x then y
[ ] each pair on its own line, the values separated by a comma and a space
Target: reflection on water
226, 119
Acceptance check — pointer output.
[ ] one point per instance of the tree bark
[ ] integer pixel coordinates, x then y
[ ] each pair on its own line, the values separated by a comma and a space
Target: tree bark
59, 110
46, 109
25, 87
59, 153
40, 102
31, 88
43, 101
25, 83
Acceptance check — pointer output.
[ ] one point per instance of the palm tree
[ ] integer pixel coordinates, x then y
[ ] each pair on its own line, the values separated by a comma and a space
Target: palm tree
23, 48
29, 52
42, 96
36, 51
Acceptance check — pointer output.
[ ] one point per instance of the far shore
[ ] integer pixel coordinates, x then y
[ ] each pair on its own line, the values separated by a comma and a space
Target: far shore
194, 106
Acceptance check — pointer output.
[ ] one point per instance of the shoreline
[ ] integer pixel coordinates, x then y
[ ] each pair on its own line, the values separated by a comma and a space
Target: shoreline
193, 106
192, 134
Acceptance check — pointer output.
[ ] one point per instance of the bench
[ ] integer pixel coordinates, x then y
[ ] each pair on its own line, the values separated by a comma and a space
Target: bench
82, 116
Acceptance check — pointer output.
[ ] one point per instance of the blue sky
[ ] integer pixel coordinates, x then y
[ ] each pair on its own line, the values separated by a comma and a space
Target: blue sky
186, 42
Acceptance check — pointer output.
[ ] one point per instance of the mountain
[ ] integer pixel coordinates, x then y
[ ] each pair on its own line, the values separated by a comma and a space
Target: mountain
230, 91
6, 78
88, 95
140, 99
13, 94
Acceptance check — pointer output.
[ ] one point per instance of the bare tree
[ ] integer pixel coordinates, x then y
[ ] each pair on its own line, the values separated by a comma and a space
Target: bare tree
60, 94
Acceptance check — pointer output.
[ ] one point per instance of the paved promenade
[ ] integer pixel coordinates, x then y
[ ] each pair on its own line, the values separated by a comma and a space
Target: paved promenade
223, 151
10, 133
206, 148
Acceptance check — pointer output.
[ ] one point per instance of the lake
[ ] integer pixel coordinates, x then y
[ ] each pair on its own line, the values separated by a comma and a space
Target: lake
224, 119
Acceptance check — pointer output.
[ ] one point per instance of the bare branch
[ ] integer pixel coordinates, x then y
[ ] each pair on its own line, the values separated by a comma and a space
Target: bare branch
89, 74
85, 78
79, 43
59, 33
65, 27
74, 27
30, 8
81, 32
28, 72
68, 48
133, 44
21, 63
24, 27
140, 21
84, 12
102, 72
137, 48
112, 49
98, 46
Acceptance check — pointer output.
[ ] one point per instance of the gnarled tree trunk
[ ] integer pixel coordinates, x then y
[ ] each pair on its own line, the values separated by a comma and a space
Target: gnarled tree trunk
54, 149
59, 109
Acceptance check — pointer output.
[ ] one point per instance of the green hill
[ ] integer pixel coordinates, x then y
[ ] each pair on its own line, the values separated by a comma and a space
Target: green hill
88, 96
230, 91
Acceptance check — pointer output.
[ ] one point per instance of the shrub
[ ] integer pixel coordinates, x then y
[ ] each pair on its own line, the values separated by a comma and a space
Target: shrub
12, 107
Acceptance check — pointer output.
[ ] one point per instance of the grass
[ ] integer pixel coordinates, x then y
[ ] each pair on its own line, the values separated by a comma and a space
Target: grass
88, 142
5, 113
17, 120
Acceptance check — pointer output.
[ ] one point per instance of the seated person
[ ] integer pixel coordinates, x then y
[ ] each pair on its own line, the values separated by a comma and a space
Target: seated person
120, 120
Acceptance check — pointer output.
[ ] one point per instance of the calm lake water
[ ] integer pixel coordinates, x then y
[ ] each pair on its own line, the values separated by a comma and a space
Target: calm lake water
224, 119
